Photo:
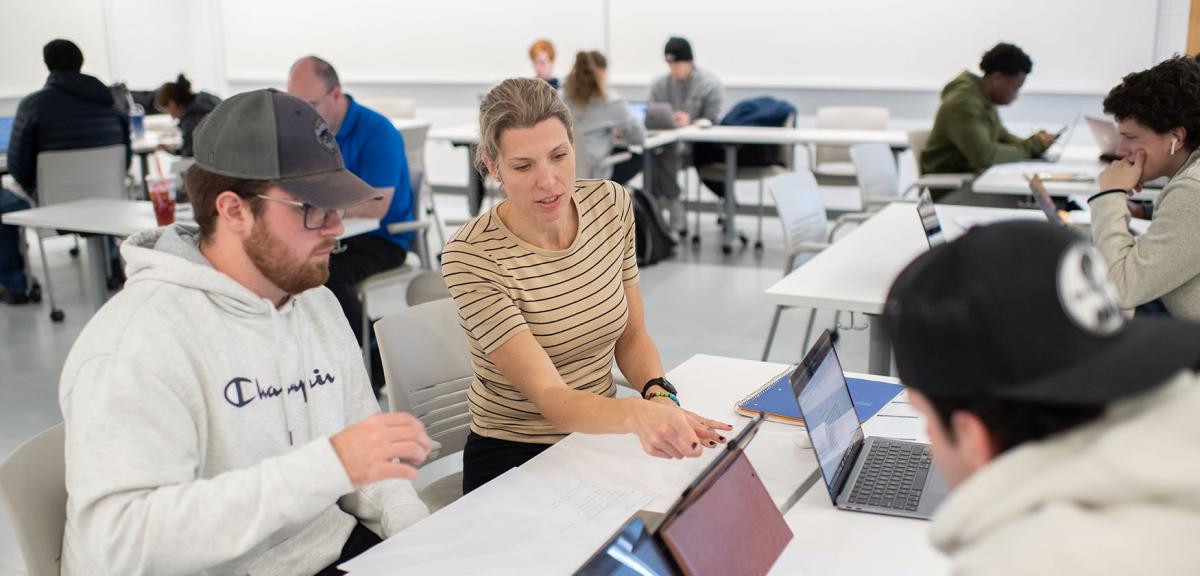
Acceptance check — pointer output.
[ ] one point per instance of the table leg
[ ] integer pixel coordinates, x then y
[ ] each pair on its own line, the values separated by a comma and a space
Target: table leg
647, 171
730, 198
879, 352
97, 269
145, 176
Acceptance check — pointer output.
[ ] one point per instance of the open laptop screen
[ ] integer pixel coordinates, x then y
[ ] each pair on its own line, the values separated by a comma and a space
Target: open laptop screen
927, 211
6, 124
828, 411
638, 110
1042, 198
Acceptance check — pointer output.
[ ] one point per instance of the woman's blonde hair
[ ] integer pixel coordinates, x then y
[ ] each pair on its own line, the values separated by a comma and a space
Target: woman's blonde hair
516, 103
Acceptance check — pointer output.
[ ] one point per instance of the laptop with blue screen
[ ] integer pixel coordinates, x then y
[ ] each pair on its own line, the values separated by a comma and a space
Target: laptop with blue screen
6, 124
864, 474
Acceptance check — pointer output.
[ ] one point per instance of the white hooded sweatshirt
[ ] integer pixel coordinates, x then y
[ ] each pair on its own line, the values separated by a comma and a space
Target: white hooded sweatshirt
1116, 496
198, 418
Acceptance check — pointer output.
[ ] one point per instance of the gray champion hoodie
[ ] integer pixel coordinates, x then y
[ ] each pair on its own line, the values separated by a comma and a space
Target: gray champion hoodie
198, 418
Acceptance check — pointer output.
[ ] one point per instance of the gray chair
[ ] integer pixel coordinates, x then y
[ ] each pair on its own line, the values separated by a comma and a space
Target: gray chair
805, 231
427, 367
425, 218
831, 164
71, 175
33, 491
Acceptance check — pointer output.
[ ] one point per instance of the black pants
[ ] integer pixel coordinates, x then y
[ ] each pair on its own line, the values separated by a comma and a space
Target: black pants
486, 458
625, 171
361, 539
364, 256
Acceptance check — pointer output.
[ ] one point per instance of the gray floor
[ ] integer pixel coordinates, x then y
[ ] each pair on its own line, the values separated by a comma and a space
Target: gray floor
700, 302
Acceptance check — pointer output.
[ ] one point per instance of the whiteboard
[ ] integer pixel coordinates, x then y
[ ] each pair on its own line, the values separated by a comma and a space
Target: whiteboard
407, 41
1082, 46
27, 26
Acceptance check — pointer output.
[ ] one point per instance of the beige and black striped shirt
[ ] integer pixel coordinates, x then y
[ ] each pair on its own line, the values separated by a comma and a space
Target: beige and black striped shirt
572, 301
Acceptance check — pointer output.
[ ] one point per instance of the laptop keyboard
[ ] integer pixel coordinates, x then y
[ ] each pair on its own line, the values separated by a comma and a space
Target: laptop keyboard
892, 476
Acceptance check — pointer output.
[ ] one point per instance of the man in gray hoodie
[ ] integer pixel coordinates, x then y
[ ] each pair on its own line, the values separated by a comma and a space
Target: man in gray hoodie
1067, 432
696, 95
219, 419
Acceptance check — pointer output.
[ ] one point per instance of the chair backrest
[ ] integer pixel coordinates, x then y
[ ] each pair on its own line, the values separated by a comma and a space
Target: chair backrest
69, 175
33, 491
798, 203
847, 118
427, 367
917, 139
875, 167
392, 107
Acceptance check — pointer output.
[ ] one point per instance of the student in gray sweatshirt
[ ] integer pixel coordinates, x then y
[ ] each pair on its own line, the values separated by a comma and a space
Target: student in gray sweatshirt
219, 419
601, 117
696, 95
1158, 117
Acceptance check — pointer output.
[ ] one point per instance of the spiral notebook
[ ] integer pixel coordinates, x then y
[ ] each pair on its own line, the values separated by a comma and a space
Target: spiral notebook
777, 401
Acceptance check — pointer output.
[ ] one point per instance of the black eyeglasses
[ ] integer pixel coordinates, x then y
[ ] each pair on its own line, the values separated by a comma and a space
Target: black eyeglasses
314, 218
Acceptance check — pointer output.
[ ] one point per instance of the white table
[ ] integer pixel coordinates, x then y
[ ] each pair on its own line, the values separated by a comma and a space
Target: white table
98, 218
856, 272
733, 136
710, 385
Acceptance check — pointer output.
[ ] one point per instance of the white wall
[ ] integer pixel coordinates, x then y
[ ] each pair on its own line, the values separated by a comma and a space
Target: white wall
446, 52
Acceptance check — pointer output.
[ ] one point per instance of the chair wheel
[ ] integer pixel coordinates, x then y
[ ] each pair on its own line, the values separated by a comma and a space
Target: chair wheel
57, 315
727, 249
758, 248
696, 240
75, 252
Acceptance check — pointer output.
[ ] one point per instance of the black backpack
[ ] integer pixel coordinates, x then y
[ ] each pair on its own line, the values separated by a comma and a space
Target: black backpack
652, 243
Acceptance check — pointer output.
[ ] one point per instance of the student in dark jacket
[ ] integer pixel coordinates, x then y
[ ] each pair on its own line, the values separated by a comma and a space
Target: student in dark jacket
189, 108
71, 111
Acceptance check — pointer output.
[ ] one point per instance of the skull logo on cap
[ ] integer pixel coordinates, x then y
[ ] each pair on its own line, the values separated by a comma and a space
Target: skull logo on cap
1086, 294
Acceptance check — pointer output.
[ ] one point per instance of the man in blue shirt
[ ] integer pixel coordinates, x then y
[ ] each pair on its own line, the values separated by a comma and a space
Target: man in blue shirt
373, 150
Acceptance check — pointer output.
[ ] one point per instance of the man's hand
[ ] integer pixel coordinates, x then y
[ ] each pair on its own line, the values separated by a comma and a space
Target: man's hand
1045, 138
370, 449
682, 119
1125, 173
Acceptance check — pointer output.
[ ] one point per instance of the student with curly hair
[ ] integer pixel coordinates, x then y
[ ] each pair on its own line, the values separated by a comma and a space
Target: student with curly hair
967, 135
1158, 117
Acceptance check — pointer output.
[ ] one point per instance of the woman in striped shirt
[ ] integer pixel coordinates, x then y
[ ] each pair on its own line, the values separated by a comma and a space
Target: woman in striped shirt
546, 284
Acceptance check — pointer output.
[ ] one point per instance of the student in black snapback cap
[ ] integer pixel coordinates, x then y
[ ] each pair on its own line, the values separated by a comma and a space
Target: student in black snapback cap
1067, 430
219, 418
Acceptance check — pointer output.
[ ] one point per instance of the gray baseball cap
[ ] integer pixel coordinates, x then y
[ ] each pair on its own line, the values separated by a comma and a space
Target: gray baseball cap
272, 135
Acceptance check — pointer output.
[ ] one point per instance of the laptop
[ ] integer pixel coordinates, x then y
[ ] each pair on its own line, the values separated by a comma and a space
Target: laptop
927, 211
1055, 151
6, 125
725, 522
1106, 136
863, 474
1044, 201
660, 116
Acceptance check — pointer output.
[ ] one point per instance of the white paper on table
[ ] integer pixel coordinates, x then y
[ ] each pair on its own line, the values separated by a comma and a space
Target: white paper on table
520, 523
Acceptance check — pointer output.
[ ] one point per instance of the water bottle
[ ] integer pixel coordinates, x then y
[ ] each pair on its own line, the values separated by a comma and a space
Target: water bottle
137, 119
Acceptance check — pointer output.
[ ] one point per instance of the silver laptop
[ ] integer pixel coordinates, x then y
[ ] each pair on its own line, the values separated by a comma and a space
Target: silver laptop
1055, 151
927, 211
871, 474
1104, 132
660, 116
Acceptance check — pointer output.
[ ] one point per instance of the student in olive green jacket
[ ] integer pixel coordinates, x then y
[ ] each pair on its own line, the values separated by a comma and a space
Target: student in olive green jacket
967, 134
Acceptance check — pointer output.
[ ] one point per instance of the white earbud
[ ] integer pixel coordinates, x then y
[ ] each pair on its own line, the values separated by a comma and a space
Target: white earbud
1174, 143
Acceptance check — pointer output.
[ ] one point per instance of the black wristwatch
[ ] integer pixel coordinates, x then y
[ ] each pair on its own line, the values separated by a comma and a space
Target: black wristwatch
659, 382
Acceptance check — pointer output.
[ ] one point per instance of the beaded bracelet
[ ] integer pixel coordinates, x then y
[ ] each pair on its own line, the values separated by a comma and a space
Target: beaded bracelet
673, 397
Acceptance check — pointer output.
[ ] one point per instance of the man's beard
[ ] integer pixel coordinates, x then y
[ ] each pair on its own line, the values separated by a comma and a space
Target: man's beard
275, 263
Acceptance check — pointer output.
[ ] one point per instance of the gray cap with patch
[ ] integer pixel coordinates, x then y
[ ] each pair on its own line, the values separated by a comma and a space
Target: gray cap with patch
271, 135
